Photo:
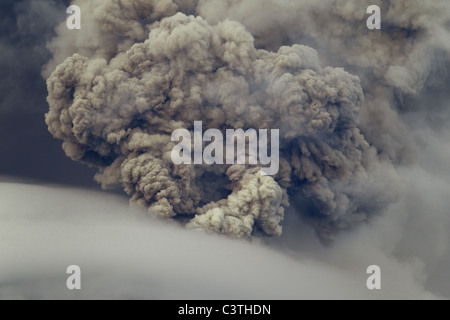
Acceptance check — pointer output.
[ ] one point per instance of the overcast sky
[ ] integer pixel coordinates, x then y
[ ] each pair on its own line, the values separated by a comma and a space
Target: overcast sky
27, 148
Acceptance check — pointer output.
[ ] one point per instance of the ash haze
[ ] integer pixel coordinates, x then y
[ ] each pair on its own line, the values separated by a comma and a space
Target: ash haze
364, 149
125, 256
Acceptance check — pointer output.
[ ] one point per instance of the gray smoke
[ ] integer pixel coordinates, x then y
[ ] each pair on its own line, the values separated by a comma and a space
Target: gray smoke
138, 70
409, 56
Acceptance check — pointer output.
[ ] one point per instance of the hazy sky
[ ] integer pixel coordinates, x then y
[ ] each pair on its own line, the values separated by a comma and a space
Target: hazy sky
27, 148
127, 256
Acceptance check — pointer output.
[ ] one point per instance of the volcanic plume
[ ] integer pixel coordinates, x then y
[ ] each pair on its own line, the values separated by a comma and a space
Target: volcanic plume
138, 70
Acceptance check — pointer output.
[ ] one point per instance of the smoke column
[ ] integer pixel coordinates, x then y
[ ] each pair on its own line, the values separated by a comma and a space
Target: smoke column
138, 70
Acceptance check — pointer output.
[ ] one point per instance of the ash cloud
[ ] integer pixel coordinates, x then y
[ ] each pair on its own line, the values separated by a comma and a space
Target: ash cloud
398, 64
145, 68
404, 119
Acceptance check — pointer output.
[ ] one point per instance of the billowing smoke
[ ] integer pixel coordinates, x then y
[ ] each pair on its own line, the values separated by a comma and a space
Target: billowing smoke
138, 70
409, 56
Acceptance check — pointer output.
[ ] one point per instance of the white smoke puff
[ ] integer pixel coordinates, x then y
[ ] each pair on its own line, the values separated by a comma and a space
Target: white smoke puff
118, 111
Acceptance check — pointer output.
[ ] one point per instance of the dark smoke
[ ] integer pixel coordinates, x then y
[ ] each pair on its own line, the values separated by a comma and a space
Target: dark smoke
138, 70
